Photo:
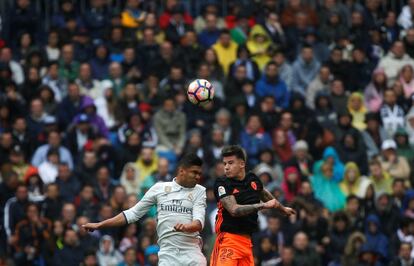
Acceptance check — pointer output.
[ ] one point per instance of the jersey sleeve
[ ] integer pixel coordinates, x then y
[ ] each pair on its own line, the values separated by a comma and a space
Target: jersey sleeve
134, 213
221, 189
200, 205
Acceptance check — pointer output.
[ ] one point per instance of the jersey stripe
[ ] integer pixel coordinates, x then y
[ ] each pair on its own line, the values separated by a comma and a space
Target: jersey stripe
219, 219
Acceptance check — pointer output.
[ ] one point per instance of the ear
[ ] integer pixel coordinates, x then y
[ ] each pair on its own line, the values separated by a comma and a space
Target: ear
242, 163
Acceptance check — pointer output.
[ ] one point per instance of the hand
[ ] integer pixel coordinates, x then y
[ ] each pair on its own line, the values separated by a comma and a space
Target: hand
90, 227
270, 204
287, 211
181, 228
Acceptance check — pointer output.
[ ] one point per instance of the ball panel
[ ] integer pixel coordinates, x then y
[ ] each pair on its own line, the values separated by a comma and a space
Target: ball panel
200, 91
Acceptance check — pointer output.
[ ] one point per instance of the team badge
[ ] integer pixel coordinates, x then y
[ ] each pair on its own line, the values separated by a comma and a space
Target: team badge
167, 189
221, 191
253, 184
190, 197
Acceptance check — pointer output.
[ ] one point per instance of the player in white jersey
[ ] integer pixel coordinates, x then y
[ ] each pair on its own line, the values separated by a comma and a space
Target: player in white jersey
181, 206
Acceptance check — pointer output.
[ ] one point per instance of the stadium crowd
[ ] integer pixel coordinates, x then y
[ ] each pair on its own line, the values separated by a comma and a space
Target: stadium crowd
93, 112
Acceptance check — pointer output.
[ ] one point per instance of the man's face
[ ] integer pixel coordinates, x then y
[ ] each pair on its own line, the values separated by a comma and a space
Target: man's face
192, 175
300, 241
211, 22
67, 53
169, 106
233, 166
398, 189
147, 155
52, 191
54, 139
271, 71
375, 170
71, 238
21, 193
390, 97
398, 49
225, 39
163, 166
68, 212
405, 251
254, 124
307, 55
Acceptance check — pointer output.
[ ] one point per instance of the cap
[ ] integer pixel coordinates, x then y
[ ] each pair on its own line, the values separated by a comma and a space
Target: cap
388, 144
17, 149
145, 107
300, 145
83, 118
106, 84
49, 120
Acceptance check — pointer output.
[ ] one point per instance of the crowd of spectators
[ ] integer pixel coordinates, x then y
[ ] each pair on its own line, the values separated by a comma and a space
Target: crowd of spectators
93, 112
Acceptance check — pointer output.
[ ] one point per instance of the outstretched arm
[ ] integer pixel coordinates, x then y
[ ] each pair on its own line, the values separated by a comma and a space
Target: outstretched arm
236, 210
118, 220
131, 215
266, 196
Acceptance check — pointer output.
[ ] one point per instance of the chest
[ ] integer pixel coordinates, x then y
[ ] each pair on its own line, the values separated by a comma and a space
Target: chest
179, 202
246, 193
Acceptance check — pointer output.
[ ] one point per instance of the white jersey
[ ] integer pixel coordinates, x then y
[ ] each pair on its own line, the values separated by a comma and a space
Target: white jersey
175, 204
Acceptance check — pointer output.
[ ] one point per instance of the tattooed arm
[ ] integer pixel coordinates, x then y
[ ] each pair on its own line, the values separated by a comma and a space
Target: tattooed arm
236, 210
266, 196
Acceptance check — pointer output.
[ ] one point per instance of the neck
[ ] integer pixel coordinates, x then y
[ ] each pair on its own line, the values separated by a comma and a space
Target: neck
180, 181
241, 175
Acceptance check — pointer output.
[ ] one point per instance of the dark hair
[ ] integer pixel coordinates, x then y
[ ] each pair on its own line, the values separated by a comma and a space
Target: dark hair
398, 180
224, 31
53, 151
351, 197
190, 159
234, 150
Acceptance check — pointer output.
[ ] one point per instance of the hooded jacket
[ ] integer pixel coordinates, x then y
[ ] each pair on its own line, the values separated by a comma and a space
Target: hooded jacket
358, 187
110, 258
94, 119
291, 190
373, 95
350, 256
377, 241
358, 116
259, 50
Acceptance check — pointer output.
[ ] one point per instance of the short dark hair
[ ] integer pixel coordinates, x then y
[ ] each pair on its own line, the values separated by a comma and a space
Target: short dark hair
352, 197
190, 159
234, 150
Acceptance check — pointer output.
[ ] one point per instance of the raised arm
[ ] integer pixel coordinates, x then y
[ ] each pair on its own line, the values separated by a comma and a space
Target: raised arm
236, 210
115, 221
266, 196
129, 216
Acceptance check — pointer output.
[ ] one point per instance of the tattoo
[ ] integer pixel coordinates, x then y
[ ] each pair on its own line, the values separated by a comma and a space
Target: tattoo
230, 204
265, 196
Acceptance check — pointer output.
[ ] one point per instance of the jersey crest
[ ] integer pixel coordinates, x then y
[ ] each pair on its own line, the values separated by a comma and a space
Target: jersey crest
253, 185
167, 189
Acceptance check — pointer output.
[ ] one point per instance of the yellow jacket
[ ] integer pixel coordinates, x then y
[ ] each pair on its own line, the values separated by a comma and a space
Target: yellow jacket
358, 116
129, 20
226, 55
259, 50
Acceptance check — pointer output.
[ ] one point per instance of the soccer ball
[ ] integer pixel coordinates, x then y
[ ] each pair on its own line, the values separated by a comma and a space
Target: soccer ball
200, 92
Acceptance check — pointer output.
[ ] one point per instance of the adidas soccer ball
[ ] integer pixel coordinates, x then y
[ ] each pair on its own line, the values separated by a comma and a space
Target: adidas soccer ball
200, 92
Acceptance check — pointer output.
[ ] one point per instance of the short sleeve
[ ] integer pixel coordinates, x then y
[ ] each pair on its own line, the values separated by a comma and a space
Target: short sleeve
221, 188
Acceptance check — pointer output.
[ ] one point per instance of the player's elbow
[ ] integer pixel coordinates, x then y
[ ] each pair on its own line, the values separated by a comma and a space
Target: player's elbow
235, 212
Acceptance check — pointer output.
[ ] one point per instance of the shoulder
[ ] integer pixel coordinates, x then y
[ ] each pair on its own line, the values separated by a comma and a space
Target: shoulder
222, 181
199, 188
